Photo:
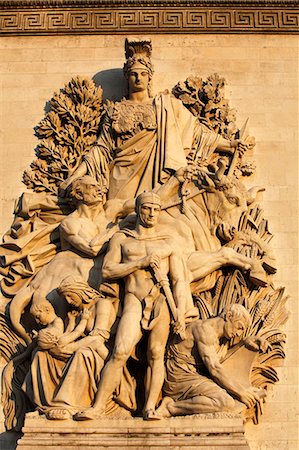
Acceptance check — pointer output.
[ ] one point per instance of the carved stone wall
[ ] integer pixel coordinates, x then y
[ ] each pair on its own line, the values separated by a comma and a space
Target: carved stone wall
262, 82
101, 17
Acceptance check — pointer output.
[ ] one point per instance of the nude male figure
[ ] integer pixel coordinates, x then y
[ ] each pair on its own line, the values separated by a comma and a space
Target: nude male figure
134, 255
196, 379
84, 234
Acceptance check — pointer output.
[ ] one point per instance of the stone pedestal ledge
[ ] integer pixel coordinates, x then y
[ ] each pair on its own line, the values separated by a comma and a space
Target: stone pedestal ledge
205, 431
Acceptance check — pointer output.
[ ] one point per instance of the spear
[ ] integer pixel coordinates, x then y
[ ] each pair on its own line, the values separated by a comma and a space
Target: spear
239, 135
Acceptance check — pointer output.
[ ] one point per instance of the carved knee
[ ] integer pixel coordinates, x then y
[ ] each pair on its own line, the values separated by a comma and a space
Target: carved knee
226, 402
155, 352
121, 354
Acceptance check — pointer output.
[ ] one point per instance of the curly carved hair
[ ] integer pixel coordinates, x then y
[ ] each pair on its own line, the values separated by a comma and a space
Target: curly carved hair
236, 312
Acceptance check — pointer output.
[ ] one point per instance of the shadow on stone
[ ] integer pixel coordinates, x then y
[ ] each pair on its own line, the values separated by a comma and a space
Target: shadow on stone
9, 439
112, 82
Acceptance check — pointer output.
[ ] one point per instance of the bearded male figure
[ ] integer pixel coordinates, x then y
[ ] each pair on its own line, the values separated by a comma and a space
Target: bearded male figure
196, 378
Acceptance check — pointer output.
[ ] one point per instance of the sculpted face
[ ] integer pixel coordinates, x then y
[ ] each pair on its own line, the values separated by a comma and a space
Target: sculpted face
43, 317
73, 299
149, 214
90, 194
233, 328
138, 80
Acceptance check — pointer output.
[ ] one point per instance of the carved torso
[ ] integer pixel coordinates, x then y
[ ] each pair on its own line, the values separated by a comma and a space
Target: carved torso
140, 282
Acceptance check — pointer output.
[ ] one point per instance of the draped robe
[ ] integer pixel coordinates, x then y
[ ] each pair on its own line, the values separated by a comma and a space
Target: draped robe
146, 159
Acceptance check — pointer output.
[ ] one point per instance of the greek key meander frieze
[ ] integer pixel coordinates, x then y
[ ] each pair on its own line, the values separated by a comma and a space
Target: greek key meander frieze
148, 20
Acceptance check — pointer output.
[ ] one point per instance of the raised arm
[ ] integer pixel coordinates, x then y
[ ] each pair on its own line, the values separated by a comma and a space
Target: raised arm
16, 309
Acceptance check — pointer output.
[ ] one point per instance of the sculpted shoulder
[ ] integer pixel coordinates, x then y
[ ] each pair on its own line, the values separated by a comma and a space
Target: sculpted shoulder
204, 332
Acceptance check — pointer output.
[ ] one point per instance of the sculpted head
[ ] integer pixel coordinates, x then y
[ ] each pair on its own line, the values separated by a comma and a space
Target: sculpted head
43, 312
237, 319
77, 292
87, 190
46, 338
148, 207
138, 68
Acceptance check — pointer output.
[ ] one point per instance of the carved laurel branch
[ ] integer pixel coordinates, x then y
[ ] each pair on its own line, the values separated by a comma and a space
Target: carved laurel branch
66, 134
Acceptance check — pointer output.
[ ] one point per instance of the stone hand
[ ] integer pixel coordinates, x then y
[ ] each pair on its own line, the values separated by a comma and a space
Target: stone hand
257, 343
242, 145
73, 314
85, 314
251, 396
185, 173
179, 326
152, 260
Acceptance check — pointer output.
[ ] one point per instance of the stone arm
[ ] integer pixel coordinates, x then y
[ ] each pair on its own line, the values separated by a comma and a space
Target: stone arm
226, 146
113, 267
97, 243
68, 338
236, 144
16, 309
180, 288
79, 172
206, 340
69, 231
72, 315
116, 209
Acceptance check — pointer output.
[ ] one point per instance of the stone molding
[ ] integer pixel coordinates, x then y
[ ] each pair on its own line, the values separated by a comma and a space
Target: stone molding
58, 17
201, 432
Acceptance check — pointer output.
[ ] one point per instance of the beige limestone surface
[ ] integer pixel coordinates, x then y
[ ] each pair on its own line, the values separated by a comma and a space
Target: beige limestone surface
262, 83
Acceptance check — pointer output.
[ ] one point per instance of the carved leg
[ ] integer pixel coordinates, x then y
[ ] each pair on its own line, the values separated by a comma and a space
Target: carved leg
128, 335
202, 404
155, 371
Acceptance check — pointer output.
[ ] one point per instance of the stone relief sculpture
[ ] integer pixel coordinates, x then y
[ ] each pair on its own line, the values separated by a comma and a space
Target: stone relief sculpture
139, 262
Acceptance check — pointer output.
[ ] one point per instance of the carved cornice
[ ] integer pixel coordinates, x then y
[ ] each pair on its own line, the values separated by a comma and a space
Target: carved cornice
46, 17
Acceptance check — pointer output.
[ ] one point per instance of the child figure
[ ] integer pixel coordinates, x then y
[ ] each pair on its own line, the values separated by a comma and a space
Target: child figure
62, 343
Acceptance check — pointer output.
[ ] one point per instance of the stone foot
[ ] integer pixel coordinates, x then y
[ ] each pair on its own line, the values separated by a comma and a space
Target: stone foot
58, 414
163, 410
151, 414
89, 414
